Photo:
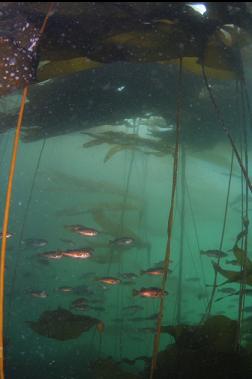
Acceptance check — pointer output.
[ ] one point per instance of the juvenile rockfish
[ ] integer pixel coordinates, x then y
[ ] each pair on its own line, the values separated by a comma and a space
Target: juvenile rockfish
213, 253
154, 271
78, 254
34, 242
79, 303
51, 255
129, 276
40, 294
150, 292
65, 289
123, 241
82, 230
109, 280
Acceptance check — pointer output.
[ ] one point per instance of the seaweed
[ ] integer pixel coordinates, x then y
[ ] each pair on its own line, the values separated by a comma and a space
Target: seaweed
125, 141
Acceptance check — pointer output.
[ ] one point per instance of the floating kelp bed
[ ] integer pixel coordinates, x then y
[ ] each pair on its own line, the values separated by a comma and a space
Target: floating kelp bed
147, 106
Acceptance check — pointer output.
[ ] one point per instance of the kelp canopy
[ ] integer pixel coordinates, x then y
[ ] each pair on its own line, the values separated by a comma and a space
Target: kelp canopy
85, 35
94, 49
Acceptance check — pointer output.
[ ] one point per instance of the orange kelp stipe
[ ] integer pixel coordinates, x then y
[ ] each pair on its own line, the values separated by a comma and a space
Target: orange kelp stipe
6, 221
50, 12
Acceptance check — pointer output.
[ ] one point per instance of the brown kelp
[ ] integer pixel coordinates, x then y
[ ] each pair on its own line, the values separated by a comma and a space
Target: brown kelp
61, 324
119, 36
124, 141
217, 333
243, 276
196, 347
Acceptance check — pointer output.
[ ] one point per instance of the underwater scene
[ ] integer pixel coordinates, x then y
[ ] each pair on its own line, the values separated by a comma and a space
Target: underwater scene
125, 150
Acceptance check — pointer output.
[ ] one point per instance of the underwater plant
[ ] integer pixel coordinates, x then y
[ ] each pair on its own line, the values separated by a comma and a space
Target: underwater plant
125, 141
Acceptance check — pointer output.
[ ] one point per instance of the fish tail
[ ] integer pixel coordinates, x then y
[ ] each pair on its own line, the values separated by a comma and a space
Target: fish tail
142, 272
135, 292
202, 251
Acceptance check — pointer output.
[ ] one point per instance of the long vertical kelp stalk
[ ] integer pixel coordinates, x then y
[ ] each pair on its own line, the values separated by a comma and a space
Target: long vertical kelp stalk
19, 255
244, 215
210, 303
5, 224
182, 231
194, 223
170, 225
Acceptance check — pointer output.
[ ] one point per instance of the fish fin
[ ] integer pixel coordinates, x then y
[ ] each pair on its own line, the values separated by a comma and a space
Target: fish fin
134, 292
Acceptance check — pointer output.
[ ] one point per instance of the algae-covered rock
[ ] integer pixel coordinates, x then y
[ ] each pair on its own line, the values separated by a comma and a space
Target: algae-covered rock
218, 334
208, 351
107, 368
221, 333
